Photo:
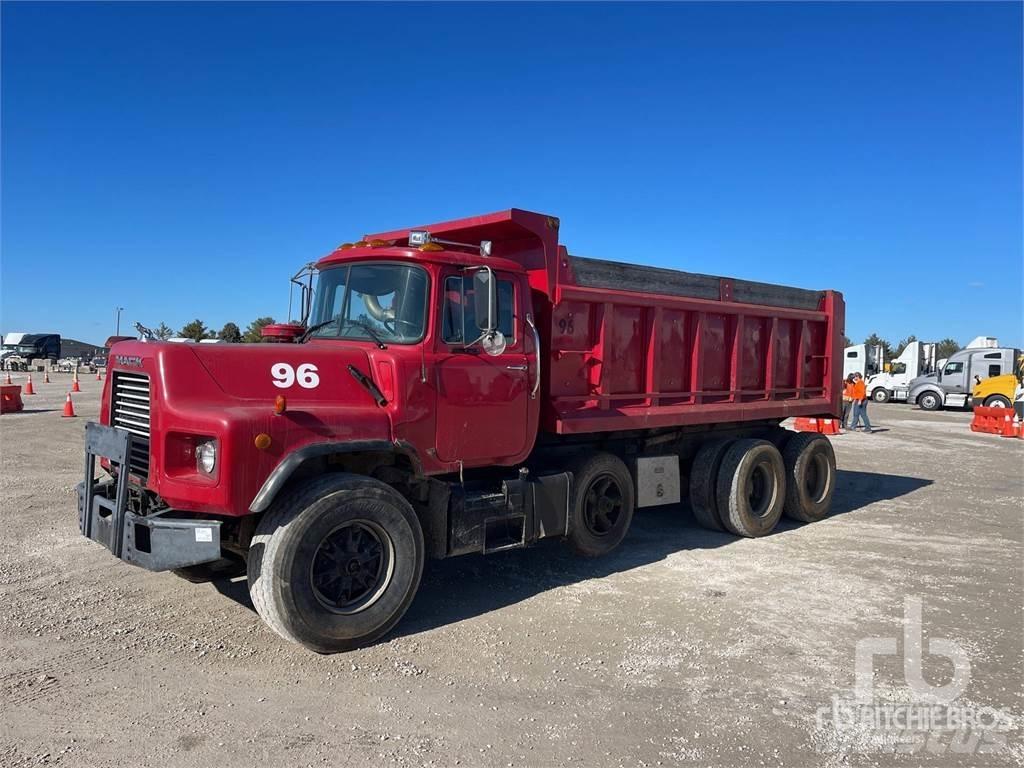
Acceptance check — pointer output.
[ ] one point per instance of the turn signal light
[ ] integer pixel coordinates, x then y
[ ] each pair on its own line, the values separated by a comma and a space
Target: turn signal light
280, 405
262, 441
431, 247
344, 246
360, 244
378, 243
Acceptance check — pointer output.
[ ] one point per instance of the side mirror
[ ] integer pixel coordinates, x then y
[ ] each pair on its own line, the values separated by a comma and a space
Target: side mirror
485, 299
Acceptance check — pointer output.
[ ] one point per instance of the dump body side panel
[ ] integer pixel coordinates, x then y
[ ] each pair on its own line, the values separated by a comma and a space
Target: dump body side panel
638, 348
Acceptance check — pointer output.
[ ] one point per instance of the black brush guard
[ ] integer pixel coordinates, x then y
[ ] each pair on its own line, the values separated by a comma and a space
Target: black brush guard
154, 542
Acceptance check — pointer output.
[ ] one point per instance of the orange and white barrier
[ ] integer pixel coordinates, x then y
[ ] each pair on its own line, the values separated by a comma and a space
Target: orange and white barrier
826, 426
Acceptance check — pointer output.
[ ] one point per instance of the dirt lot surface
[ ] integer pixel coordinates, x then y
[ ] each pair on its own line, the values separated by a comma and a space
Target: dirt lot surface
683, 647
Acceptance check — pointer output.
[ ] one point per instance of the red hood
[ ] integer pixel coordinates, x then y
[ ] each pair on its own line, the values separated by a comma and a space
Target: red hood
315, 373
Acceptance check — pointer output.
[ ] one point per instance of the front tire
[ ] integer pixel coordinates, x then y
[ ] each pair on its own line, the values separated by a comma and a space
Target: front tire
603, 501
336, 563
751, 488
880, 395
930, 401
997, 401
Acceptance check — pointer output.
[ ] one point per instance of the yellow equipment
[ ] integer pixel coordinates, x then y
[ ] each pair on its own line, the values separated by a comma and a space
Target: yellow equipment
998, 391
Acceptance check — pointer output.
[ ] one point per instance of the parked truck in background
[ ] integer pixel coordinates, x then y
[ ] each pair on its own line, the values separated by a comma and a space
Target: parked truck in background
998, 391
466, 387
21, 350
865, 359
952, 383
916, 359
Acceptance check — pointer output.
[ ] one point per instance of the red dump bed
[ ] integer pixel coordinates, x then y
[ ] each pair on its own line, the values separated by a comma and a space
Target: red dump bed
638, 346
632, 347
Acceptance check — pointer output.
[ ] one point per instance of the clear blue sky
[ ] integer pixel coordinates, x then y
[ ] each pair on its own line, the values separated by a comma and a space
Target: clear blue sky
182, 160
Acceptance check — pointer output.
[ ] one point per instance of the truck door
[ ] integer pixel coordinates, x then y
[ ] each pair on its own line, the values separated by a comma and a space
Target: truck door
954, 376
482, 400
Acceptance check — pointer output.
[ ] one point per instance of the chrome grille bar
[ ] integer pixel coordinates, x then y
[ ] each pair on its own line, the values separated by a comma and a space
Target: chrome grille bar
129, 410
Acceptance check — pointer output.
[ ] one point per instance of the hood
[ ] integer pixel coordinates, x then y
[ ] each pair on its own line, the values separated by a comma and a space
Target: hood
315, 373
928, 377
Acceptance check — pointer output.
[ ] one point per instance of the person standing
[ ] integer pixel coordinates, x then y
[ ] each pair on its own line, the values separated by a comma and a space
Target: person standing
860, 403
847, 402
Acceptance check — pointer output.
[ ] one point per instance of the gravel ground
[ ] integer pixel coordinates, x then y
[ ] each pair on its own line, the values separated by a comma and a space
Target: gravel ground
683, 647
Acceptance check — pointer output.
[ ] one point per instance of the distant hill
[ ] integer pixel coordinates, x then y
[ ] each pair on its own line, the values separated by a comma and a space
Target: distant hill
79, 349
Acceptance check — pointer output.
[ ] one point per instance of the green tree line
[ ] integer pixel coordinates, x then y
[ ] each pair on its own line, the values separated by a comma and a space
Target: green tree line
230, 333
943, 349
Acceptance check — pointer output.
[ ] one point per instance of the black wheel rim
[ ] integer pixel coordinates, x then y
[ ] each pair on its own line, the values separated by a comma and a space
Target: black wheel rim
816, 478
761, 493
352, 566
602, 505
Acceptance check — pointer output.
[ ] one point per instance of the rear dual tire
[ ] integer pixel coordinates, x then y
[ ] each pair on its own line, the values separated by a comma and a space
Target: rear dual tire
751, 488
602, 505
744, 486
810, 465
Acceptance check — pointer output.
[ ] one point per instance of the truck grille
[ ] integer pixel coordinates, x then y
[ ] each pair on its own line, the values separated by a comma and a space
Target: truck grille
129, 410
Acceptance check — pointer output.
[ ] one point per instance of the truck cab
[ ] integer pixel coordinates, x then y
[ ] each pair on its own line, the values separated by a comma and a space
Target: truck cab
917, 359
952, 384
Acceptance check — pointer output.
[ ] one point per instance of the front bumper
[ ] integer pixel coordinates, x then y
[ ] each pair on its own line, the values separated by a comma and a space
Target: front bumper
155, 542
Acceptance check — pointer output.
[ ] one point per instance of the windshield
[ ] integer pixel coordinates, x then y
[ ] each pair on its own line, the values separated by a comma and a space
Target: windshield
384, 302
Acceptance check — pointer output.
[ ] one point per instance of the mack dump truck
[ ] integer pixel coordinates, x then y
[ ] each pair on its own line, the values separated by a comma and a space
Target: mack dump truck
465, 387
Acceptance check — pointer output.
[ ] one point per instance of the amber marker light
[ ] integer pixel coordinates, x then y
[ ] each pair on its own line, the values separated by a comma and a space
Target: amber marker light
280, 405
262, 441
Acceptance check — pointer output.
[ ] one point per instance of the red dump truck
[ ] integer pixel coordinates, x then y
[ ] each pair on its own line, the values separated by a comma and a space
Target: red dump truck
464, 387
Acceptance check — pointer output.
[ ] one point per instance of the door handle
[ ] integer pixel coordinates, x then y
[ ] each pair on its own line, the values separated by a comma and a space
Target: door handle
515, 367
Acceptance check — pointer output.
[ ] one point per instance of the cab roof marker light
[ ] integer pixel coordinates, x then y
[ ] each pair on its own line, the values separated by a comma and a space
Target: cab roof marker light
418, 238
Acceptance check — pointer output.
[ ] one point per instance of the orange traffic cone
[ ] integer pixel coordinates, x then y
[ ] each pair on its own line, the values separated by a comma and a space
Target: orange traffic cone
46, 377
8, 378
98, 377
74, 385
69, 407
29, 390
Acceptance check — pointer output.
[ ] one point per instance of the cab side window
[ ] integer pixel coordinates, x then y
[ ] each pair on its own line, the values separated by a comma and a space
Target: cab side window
459, 319
953, 368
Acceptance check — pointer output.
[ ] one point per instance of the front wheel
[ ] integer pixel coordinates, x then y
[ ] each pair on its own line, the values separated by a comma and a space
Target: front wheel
880, 395
997, 401
930, 401
336, 563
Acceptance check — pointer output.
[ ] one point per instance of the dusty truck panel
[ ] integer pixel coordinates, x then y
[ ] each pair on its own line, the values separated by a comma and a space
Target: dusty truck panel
467, 386
635, 346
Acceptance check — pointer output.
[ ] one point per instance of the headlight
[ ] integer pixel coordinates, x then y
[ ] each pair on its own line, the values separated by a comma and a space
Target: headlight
206, 456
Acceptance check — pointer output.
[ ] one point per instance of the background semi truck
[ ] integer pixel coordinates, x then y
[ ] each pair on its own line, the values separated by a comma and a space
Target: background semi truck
953, 382
466, 387
916, 359
865, 359
21, 350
